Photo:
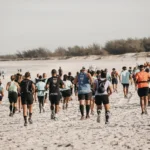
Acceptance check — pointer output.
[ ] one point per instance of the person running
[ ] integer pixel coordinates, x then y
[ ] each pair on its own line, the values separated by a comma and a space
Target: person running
40, 86
54, 83
1, 91
71, 78
147, 70
46, 92
114, 76
18, 80
108, 76
142, 79
3, 74
131, 73
36, 81
27, 88
93, 75
84, 80
66, 93
60, 72
125, 79
135, 71
103, 90
12, 88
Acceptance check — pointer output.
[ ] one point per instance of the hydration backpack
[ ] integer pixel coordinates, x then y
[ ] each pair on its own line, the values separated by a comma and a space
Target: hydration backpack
101, 86
25, 86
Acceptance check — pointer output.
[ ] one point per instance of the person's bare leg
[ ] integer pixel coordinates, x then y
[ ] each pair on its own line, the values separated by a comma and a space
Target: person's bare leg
145, 103
107, 112
30, 113
142, 104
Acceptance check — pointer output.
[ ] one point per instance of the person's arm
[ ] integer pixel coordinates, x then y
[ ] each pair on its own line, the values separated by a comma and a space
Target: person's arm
3, 92
90, 77
95, 85
47, 84
110, 90
33, 88
7, 86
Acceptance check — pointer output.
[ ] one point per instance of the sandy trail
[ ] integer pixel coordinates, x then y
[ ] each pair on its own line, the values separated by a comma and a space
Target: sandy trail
127, 128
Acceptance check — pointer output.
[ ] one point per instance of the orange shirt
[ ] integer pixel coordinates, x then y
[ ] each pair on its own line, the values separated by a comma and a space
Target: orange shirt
142, 76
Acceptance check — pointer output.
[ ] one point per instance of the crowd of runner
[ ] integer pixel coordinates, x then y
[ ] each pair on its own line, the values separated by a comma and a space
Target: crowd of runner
91, 86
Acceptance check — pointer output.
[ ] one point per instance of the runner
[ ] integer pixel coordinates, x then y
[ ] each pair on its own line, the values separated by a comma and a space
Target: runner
1, 91
40, 87
114, 76
103, 91
60, 72
124, 79
93, 75
135, 71
27, 90
66, 93
76, 85
71, 78
46, 92
142, 79
54, 83
108, 76
84, 91
18, 80
131, 74
36, 81
12, 88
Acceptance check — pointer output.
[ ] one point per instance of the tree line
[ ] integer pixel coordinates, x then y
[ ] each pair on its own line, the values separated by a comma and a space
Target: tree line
113, 47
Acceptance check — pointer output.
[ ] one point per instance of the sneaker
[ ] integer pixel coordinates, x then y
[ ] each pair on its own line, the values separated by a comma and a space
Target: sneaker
142, 113
56, 117
43, 109
11, 114
87, 117
25, 123
107, 122
30, 120
52, 116
92, 112
82, 118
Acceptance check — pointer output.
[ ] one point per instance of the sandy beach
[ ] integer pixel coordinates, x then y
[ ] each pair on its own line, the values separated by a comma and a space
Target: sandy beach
127, 128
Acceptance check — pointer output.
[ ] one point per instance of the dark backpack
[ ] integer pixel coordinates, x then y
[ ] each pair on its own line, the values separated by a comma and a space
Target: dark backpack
25, 86
101, 86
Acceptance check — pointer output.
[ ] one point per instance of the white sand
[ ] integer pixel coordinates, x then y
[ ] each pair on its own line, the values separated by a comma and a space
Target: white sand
127, 128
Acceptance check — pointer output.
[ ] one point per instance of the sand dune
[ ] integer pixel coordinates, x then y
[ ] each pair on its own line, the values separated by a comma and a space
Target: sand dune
127, 128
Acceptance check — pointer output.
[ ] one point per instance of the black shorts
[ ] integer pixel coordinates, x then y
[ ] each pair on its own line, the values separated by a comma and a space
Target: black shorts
101, 99
125, 85
86, 96
143, 91
54, 99
1, 97
114, 81
12, 97
41, 99
66, 93
26, 98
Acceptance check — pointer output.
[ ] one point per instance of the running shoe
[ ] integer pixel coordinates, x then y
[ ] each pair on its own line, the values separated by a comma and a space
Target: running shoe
30, 120
25, 123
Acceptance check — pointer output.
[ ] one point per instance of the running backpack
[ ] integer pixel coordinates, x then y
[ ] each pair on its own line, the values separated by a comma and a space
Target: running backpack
25, 86
101, 86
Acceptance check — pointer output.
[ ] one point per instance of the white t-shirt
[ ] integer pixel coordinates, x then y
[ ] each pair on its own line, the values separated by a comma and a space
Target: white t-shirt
41, 88
107, 84
67, 84
125, 77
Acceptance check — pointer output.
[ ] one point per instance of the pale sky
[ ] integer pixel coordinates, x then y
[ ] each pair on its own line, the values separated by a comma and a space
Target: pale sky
28, 24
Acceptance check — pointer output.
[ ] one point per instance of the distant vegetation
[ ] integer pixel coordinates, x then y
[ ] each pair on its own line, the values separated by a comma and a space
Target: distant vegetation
114, 47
